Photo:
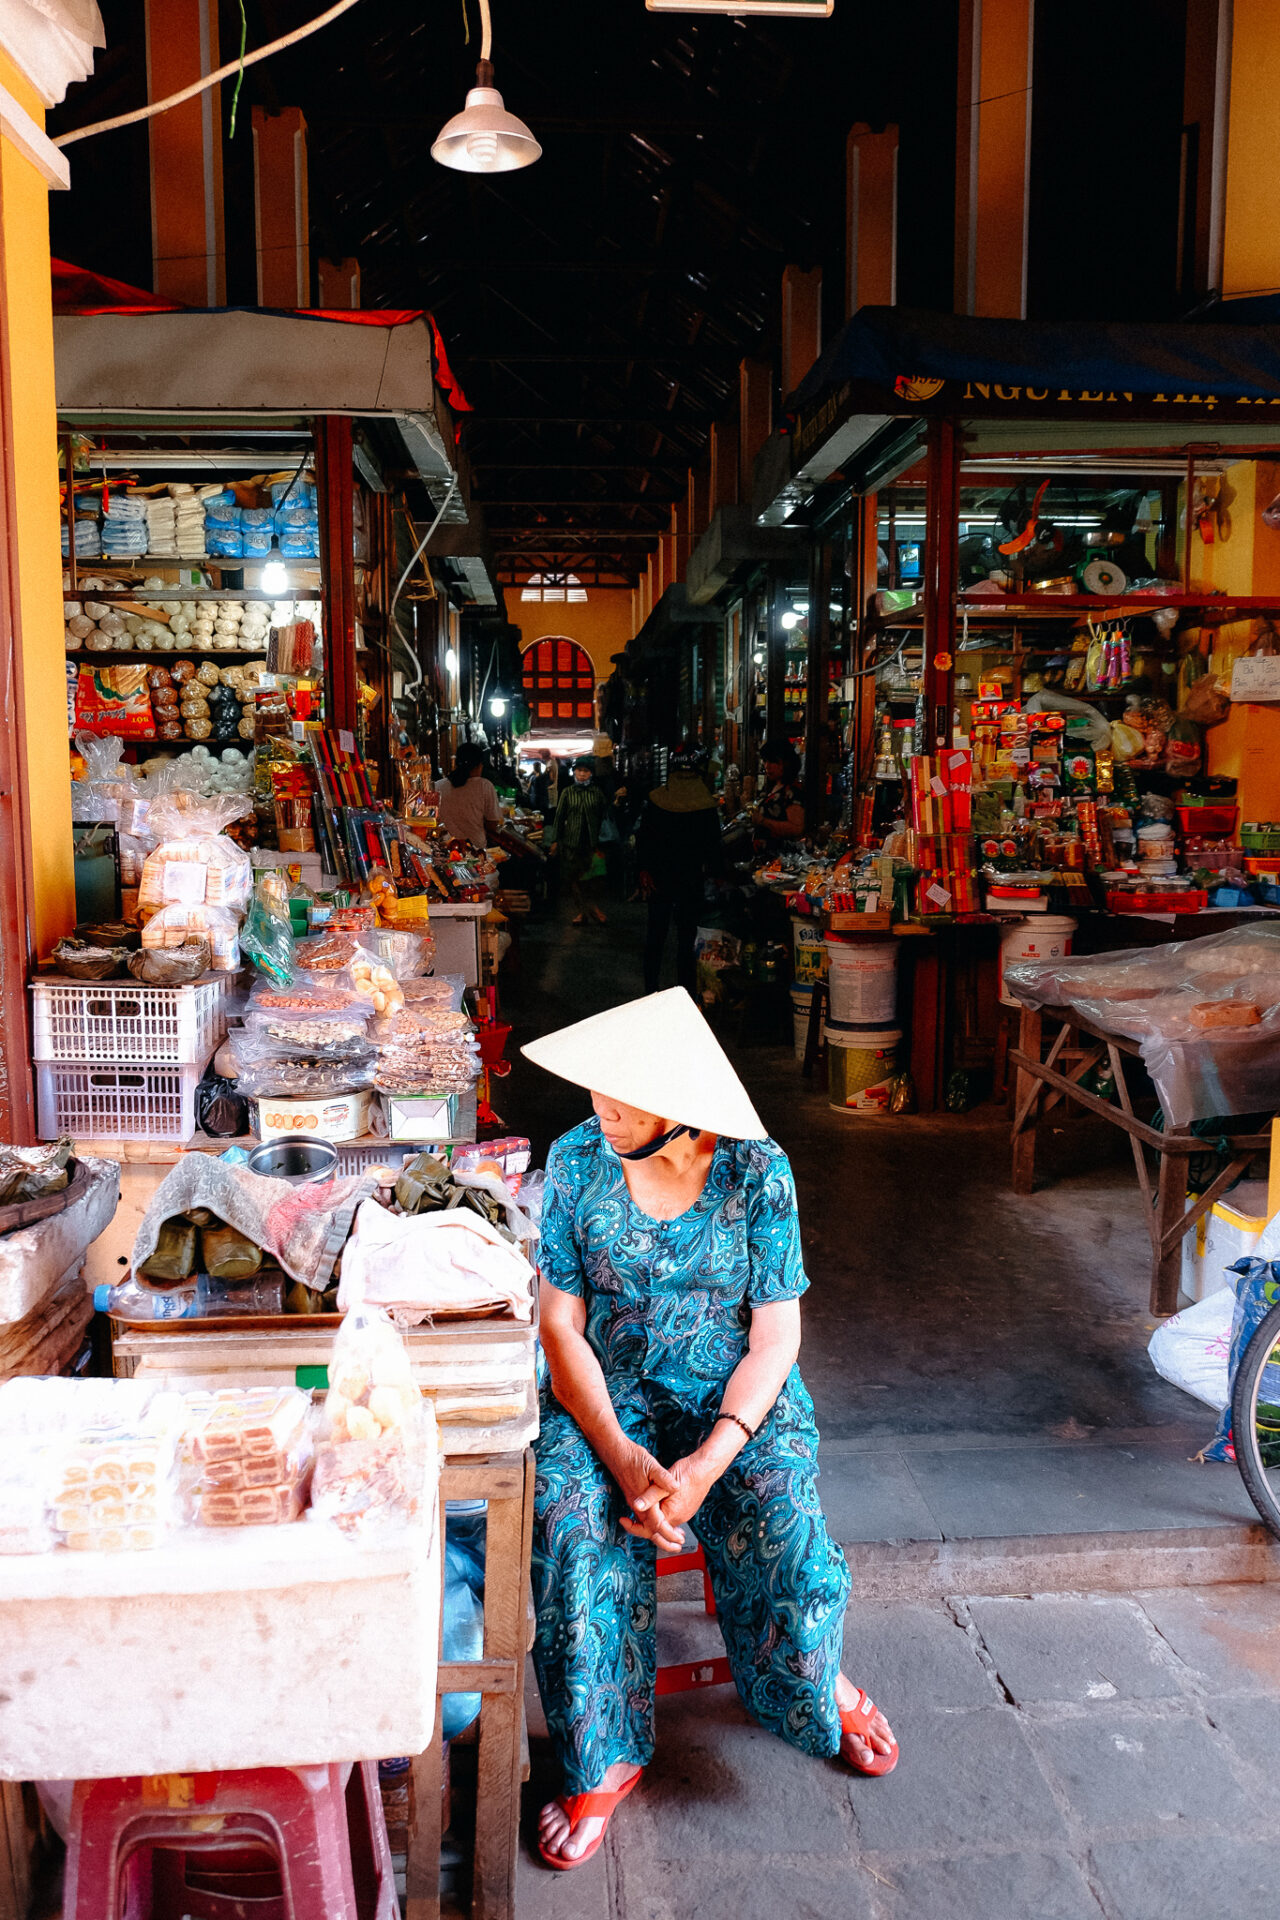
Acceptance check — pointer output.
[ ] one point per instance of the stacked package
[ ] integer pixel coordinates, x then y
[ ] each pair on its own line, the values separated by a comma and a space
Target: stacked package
88, 534
248, 1453
124, 526
940, 845
196, 883
188, 529
162, 527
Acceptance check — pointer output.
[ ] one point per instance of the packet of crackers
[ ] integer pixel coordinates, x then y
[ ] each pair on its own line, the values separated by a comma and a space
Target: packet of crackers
371, 1458
247, 1455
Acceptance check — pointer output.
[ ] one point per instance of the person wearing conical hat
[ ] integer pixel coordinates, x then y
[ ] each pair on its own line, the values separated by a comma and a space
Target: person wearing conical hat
671, 1274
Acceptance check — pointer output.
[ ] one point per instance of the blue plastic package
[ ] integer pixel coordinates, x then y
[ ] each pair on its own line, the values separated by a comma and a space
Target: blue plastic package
219, 514
224, 543
1257, 1285
257, 517
256, 542
463, 1623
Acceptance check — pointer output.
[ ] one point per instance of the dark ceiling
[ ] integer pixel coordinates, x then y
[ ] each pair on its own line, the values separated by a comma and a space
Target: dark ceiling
596, 305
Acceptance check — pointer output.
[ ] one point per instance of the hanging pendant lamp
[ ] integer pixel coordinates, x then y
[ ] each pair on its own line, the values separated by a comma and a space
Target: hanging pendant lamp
484, 137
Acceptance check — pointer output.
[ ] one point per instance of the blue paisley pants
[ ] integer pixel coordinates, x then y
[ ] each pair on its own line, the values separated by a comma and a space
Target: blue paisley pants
780, 1582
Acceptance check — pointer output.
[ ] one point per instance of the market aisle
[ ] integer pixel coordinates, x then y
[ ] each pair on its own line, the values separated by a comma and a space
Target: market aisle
978, 1360
1063, 1757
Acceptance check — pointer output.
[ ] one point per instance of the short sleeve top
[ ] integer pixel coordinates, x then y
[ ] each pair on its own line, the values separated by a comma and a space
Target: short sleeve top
671, 1299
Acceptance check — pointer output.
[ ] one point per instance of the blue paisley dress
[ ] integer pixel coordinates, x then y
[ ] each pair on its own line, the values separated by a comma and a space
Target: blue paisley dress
668, 1313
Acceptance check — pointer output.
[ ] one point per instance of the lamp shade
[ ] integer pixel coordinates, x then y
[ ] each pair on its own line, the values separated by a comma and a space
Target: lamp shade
484, 137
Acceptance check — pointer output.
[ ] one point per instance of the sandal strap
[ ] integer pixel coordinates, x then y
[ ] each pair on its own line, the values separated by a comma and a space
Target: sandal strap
857, 1720
589, 1806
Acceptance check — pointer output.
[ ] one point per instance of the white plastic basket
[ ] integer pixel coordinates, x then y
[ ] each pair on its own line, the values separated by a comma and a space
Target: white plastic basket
357, 1156
116, 1020
91, 1100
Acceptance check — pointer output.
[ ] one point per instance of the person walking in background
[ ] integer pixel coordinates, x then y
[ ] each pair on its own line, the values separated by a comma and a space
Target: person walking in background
677, 846
539, 789
469, 802
575, 830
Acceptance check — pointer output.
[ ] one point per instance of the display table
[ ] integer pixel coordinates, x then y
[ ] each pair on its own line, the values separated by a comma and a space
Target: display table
505, 1480
1045, 1078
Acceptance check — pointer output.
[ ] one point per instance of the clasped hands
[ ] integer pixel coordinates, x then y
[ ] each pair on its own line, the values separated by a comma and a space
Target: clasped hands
661, 1499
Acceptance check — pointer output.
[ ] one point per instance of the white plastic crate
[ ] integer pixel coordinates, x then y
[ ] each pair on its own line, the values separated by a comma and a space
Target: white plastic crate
91, 1100
115, 1020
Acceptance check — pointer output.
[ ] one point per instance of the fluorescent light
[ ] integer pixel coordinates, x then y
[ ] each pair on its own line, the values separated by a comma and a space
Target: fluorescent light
790, 621
780, 9
497, 707
450, 660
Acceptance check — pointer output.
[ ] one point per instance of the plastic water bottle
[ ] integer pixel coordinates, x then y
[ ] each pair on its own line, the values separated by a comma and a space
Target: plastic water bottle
132, 1301
197, 1299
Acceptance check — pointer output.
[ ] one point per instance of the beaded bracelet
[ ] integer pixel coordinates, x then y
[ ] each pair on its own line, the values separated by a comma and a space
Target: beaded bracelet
749, 1431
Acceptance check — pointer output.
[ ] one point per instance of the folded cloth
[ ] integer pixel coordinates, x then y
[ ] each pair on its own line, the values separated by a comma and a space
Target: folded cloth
419, 1264
304, 1228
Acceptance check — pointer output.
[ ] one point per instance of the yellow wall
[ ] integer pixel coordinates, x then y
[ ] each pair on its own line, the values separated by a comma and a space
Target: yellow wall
1251, 240
24, 235
1246, 747
603, 623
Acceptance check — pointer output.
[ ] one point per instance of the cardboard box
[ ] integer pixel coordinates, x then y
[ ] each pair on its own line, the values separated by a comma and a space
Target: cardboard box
339, 1116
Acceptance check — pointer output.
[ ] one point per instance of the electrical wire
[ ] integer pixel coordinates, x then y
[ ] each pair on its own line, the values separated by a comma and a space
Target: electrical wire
212, 79
412, 689
486, 31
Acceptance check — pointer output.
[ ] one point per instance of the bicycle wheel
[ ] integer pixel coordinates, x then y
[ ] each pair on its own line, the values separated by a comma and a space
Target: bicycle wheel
1255, 1419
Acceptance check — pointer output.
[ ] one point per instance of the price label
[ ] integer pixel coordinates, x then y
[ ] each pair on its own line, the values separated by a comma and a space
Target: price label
938, 785
346, 740
939, 895
183, 882
1256, 677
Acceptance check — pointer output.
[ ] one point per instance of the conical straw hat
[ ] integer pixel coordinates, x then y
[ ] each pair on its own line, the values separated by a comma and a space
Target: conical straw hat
657, 1054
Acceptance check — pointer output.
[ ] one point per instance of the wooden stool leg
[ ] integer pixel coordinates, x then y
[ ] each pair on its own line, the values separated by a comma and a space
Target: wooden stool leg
1171, 1205
422, 1868
1026, 1096
498, 1758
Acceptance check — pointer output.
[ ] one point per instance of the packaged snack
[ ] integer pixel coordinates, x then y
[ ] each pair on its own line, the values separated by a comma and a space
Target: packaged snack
195, 864
371, 1460
247, 1455
375, 981
276, 1069
326, 953
267, 935
305, 997
116, 701
115, 1486
178, 926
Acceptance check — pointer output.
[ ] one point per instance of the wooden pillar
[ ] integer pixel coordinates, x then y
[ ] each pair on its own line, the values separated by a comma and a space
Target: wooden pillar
755, 417
188, 250
724, 464
281, 211
871, 218
942, 503
993, 156
339, 285
334, 482
801, 324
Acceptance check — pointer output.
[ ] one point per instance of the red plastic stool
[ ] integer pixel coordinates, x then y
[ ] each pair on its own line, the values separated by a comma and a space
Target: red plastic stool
688, 1674
268, 1843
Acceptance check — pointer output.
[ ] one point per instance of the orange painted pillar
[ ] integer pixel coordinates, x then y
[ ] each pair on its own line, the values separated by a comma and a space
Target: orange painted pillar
281, 208
188, 249
699, 500
755, 417
724, 464
801, 324
993, 156
871, 208
339, 285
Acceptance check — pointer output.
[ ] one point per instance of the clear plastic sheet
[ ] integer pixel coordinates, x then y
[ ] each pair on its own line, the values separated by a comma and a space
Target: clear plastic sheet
1205, 1014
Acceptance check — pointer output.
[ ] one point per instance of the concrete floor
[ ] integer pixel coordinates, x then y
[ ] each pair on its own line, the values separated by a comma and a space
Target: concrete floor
1008, 1476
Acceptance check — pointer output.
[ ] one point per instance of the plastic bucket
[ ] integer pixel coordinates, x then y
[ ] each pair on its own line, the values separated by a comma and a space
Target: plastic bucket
863, 981
1045, 937
801, 1001
808, 950
861, 1068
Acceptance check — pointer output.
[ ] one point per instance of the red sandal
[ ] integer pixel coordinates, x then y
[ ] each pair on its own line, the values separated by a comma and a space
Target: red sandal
857, 1721
587, 1806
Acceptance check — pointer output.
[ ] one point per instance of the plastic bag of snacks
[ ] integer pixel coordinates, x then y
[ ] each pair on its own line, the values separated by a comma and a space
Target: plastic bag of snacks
178, 926
371, 1462
115, 700
277, 1069
115, 1485
375, 981
195, 864
267, 934
247, 1455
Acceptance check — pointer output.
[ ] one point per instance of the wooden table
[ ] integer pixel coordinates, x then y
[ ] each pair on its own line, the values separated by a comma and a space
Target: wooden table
1043, 1079
505, 1480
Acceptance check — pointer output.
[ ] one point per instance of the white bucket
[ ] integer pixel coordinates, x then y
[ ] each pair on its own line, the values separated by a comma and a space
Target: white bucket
1046, 937
801, 1001
861, 1068
862, 976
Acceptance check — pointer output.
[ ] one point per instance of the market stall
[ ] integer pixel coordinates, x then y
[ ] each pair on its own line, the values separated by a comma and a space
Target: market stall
1044, 575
